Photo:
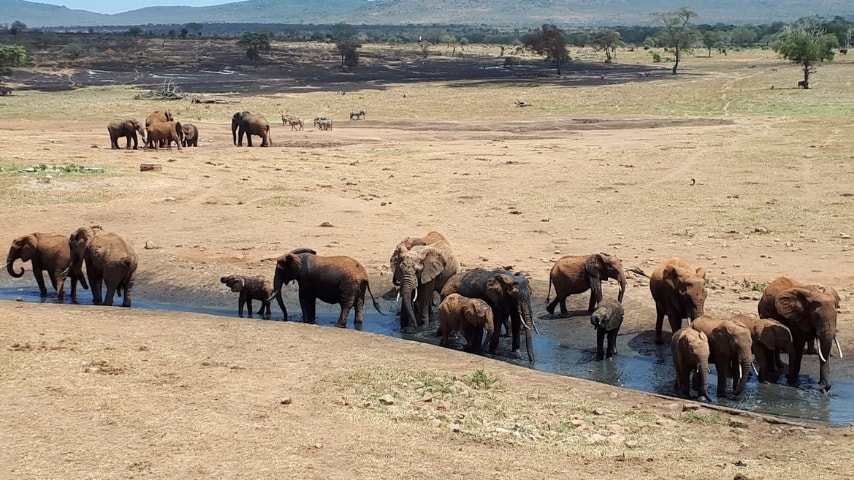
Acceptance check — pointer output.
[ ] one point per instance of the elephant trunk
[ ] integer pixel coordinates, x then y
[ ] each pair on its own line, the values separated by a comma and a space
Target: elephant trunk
10, 260
825, 344
234, 123
622, 279
744, 373
407, 314
277, 287
702, 381
528, 322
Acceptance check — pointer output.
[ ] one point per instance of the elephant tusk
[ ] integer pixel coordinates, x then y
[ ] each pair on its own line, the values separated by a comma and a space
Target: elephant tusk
755, 371
398, 296
415, 297
838, 347
740, 372
823, 360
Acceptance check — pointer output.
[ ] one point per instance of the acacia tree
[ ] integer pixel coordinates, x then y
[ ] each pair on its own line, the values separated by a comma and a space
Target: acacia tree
549, 42
806, 43
675, 31
347, 42
607, 39
255, 43
11, 56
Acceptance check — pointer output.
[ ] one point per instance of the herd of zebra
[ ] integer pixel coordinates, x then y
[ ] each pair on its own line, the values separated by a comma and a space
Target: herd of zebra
322, 123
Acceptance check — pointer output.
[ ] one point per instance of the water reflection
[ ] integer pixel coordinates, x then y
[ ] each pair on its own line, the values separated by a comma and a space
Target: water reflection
567, 347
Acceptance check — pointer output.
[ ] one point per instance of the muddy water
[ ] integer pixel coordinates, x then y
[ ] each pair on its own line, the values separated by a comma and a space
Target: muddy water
566, 346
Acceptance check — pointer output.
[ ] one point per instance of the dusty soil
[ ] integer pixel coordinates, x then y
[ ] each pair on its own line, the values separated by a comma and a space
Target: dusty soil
645, 170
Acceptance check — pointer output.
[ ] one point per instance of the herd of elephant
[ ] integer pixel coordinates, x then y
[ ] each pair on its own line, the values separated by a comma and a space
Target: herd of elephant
161, 129
792, 316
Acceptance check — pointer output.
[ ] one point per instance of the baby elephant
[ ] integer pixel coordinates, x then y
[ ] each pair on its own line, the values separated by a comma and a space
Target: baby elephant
470, 316
251, 288
690, 350
607, 319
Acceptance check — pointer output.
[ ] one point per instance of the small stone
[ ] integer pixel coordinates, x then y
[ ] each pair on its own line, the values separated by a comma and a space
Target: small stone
760, 230
318, 445
285, 401
326, 224
844, 235
149, 245
428, 397
387, 399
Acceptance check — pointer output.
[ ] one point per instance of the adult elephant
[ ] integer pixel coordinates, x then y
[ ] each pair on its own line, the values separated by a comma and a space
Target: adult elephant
127, 129
809, 313
110, 260
250, 124
509, 295
690, 350
421, 269
575, 274
47, 252
157, 116
164, 133
679, 291
769, 338
730, 349
334, 279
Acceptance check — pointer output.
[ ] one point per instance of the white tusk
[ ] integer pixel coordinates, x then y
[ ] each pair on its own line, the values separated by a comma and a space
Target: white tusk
415, 297
740, 372
823, 360
398, 296
838, 347
755, 371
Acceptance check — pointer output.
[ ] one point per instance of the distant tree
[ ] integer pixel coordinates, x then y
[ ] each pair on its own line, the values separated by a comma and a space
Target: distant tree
172, 33
184, 32
806, 43
194, 27
448, 39
134, 32
714, 39
17, 27
744, 35
11, 56
255, 43
549, 42
347, 43
608, 40
675, 32
74, 50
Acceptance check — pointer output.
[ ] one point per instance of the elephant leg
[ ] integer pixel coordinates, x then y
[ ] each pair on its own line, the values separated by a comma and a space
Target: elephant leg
57, 279
612, 343
723, 376
600, 344
240, 303
516, 331
551, 306
342, 317
128, 289
95, 283
37, 272
591, 305
249, 306
560, 299
358, 310
307, 305
795, 363
422, 304
659, 323
108, 297
500, 319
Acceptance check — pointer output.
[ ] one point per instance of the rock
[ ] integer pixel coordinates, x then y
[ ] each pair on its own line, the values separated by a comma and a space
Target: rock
428, 397
149, 245
844, 235
387, 399
760, 230
326, 224
285, 401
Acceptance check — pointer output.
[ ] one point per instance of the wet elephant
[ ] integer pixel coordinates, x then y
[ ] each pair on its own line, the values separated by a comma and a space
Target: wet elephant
47, 253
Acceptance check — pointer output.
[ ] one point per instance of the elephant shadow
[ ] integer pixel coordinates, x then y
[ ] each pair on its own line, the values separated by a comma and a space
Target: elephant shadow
643, 343
569, 314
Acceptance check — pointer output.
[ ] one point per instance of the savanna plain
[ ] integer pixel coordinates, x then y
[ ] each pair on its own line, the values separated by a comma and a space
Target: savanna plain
726, 164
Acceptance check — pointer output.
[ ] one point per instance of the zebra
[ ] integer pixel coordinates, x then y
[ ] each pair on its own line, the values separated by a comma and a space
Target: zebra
358, 114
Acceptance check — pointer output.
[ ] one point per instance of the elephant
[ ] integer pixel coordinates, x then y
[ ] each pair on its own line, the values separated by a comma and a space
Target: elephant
469, 316
47, 252
251, 288
730, 349
333, 279
769, 338
607, 319
164, 133
421, 268
127, 129
679, 291
690, 350
109, 259
190, 135
250, 124
809, 313
158, 116
574, 274
509, 295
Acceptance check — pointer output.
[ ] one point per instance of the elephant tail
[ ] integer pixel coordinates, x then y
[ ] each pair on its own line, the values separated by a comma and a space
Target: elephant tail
376, 305
638, 271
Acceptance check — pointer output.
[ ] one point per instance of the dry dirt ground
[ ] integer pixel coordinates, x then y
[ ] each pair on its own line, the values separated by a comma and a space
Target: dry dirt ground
713, 165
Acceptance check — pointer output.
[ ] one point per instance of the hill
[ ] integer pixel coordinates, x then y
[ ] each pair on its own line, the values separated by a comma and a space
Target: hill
480, 12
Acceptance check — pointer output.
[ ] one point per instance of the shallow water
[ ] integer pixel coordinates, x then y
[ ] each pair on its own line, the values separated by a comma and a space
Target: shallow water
566, 346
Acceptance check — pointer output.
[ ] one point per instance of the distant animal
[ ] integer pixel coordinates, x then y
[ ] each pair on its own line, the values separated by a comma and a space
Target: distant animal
5, 91
295, 123
190, 137
607, 319
158, 116
679, 291
803, 84
163, 134
323, 123
127, 129
251, 288
358, 114
245, 123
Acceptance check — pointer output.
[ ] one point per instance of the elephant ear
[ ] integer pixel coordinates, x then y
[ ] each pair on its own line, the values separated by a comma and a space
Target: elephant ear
593, 265
701, 272
791, 304
29, 245
237, 284
671, 277
433, 264
495, 287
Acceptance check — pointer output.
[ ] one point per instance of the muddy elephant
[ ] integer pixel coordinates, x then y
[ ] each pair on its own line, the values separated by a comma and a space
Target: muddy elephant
162, 134
250, 124
679, 291
509, 295
420, 270
809, 313
690, 350
334, 279
769, 338
730, 349
190, 135
575, 274
110, 260
47, 253
607, 319
127, 129
251, 288
158, 116
470, 316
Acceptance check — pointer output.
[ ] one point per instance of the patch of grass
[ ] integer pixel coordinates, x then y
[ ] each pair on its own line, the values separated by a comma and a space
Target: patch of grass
58, 169
480, 380
286, 202
710, 418
753, 286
